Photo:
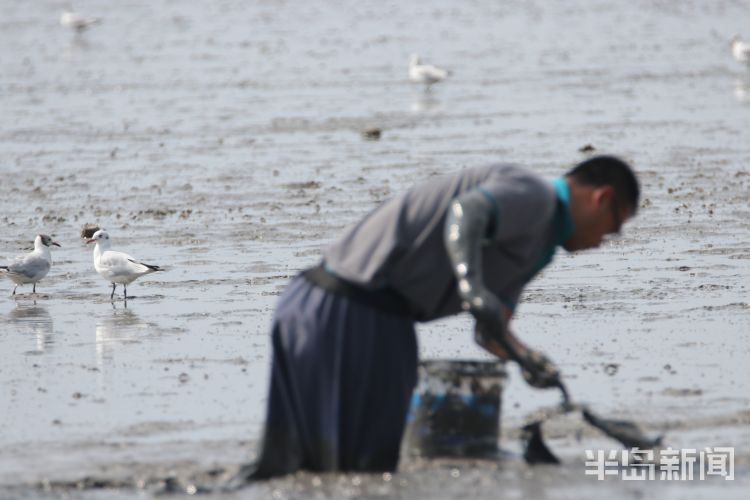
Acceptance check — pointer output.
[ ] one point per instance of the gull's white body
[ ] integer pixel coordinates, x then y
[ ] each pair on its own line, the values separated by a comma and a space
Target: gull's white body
740, 50
33, 266
426, 74
117, 267
76, 21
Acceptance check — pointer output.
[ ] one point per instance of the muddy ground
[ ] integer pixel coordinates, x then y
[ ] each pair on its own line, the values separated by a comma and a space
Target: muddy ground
223, 141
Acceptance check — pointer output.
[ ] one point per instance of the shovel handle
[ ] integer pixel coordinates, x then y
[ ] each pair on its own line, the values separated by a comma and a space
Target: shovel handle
567, 404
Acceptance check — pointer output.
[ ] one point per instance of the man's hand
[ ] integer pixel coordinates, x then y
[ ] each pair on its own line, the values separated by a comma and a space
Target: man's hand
539, 371
485, 334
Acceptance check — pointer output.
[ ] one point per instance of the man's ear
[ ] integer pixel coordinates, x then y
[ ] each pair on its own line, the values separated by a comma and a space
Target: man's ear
603, 195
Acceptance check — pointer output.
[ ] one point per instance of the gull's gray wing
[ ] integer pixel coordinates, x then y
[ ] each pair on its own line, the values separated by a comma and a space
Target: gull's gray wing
30, 267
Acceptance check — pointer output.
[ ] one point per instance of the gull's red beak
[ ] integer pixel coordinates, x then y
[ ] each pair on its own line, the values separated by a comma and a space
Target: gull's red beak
90, 241
56, 243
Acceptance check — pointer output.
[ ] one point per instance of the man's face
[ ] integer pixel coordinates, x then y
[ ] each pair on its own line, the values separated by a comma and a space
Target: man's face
599, 215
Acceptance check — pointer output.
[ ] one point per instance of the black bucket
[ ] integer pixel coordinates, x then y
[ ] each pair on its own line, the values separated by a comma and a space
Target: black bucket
455, 409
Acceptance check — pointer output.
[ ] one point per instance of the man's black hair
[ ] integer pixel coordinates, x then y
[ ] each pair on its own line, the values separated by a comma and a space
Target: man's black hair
609, 171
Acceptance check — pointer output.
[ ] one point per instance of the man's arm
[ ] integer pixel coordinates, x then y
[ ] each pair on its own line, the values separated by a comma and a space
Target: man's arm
468, 223
492, 346
484, 340
467, 226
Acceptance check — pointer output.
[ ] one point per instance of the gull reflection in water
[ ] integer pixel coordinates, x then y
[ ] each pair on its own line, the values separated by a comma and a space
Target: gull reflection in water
33, 320
426, 102
742, 89
73, 51
113, 330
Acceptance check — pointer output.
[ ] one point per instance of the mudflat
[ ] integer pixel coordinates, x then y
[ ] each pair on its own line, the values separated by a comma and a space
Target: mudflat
224, 142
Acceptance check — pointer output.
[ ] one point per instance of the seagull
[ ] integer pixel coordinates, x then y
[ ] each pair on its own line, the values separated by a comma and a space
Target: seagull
32, 267
740, 50
117, 267
425, 73
76, 21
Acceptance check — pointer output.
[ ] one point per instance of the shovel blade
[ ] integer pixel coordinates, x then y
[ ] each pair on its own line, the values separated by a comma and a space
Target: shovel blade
624, 431
537, 451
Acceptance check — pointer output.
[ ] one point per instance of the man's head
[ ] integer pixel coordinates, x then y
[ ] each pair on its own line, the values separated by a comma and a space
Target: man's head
604, 194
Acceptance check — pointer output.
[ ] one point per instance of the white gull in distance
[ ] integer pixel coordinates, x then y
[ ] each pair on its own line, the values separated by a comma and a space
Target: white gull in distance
426, 74
117, 267
740, 50
77, 22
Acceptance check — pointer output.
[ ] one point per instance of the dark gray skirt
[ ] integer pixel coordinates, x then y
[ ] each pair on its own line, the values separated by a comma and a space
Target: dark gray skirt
341, 381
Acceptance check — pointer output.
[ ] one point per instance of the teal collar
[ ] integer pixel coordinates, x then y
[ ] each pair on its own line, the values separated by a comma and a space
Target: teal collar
562, 227
563, 221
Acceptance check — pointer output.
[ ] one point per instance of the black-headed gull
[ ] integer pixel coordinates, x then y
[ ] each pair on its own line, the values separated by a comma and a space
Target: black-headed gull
33, 266
740, 50
117, 267
425, 73
76, 21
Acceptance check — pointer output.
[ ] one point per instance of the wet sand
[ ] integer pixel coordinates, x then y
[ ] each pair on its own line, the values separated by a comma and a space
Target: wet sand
224, 143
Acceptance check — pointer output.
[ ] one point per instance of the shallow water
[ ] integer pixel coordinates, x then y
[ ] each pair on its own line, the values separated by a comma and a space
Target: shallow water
222, 141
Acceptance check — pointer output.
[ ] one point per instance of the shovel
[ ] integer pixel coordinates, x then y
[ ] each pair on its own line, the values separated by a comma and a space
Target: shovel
626, 432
